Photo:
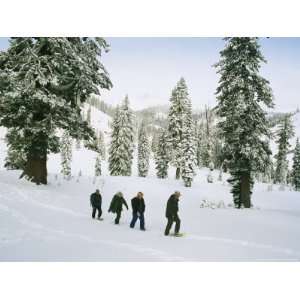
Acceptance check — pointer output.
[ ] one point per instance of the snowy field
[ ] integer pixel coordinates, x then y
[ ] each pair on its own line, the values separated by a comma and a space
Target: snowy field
53, 223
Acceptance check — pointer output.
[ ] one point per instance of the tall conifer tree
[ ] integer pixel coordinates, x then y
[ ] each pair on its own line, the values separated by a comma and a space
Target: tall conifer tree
284, 133
122, 141
143, 152
66, 155
176, 123
43, 82
162, 157
188, 162
242, 95
296, 167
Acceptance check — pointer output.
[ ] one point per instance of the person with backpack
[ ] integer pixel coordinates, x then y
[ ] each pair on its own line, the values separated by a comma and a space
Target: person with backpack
138, 209
96, 202
172, 213
116, 206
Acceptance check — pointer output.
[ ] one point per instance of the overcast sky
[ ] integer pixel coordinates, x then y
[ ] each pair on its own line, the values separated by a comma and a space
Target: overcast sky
148, 68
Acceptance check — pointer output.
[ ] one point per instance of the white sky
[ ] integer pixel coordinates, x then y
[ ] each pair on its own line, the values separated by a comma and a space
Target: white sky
148, 68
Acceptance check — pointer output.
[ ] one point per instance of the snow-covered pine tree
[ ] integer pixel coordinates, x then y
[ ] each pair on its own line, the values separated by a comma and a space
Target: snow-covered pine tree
98, 165
100, 153
66, 155
188, 162
176, 120
268, 174
16, 157
143, 151
217, 149
43, 82
101, 145
161, 156
243, 123
208, 140
200, 144
154, 142
122, 142
284, 133
115, 155
296, 167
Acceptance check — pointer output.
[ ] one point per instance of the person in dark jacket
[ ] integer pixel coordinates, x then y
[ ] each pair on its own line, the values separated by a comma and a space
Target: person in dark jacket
96, 202
116, 206
138, 209
172, 213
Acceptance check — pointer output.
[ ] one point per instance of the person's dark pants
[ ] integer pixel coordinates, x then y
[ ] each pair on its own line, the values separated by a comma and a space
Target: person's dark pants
136, 216
117, 220
95, 209
172, 219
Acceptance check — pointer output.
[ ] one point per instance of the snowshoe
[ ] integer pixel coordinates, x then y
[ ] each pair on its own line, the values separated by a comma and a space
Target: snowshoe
177, 234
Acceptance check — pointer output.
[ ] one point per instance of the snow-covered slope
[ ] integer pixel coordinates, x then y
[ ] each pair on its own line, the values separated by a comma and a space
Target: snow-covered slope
54, 223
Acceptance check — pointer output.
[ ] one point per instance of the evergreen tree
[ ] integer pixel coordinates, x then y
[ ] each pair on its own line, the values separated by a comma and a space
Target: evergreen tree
208, 139
296, 167
176, 123
162, 157
284, 133
241, 94
143, 152
43, 82
188, 146
16, 157
122, 141
268, 174
116, 157
154, 142
200, 145
98, 165
101, 145
100, 149
66, 155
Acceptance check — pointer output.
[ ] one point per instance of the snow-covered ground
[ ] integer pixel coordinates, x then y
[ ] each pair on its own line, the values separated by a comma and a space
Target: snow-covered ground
53, 222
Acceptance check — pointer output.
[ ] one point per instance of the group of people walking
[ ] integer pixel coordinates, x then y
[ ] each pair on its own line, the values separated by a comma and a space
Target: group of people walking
138, 209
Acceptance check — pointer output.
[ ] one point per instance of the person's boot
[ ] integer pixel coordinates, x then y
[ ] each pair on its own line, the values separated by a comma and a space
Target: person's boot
178, 234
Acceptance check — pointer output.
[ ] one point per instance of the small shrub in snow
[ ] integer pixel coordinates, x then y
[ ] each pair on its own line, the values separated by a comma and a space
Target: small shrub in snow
210, 178
210, 204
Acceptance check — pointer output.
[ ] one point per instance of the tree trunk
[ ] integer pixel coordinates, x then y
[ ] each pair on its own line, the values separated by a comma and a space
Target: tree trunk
178, 173
245, 190
36, 169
